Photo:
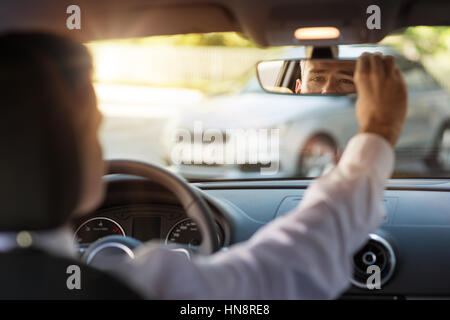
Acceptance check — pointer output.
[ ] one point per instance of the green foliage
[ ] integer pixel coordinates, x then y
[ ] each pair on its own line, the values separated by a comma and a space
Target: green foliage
429, 40
219, 39
429, 45
419, 42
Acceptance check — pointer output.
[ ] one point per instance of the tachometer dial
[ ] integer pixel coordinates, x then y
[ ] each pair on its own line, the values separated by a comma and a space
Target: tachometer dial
96, 228
187, 232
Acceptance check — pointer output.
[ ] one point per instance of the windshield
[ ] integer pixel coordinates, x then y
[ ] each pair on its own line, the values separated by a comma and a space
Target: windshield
192, 103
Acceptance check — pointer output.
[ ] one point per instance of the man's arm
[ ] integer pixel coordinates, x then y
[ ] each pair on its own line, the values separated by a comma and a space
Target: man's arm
306, 253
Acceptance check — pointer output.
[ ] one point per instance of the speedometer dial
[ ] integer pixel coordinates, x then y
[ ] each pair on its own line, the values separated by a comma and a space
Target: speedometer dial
96, 228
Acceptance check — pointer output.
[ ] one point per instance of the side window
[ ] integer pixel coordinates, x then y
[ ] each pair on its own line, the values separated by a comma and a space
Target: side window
416, 77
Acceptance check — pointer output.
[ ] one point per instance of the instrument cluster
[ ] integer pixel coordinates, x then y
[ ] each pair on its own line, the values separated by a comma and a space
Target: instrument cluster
168, 224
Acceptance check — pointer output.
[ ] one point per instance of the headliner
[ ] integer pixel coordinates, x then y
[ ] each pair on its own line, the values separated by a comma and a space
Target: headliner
267, 22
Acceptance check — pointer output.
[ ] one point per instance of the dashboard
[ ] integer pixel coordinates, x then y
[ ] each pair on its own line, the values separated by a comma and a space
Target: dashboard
411, 247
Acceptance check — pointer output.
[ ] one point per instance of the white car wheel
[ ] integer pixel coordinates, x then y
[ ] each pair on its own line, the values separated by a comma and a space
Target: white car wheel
317, 157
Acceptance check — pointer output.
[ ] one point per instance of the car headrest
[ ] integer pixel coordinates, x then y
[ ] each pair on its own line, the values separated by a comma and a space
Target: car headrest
39, 164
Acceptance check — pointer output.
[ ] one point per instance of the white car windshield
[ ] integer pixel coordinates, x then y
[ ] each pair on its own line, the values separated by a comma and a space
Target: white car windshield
193, 103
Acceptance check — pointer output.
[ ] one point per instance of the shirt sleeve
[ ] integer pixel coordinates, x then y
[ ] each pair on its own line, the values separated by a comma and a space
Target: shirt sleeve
305, 254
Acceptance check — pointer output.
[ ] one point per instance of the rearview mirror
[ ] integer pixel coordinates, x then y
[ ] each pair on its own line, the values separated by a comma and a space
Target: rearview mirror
307, 76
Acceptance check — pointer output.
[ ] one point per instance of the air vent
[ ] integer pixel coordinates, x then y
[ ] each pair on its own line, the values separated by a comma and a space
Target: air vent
378, 252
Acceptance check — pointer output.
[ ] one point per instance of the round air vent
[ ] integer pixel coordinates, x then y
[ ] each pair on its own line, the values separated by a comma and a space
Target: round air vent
378, 252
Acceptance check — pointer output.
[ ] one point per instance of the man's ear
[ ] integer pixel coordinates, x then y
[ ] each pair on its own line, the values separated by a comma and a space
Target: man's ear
298, 85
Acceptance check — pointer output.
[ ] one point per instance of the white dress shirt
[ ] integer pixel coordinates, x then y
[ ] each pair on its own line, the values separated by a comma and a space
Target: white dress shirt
305, 254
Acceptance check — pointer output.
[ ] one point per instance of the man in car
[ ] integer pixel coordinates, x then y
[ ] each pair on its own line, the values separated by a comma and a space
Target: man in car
304, 254
326, 77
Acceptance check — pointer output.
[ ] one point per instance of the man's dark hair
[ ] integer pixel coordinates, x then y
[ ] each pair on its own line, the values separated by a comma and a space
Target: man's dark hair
40, 165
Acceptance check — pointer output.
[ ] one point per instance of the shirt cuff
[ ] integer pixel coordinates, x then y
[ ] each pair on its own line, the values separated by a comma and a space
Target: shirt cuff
367, 152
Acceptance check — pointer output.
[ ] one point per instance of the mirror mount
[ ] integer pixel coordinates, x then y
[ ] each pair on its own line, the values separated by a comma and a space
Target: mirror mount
316, 52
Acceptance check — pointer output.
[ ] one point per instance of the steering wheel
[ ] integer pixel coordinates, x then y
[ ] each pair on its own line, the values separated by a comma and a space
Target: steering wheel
191, 200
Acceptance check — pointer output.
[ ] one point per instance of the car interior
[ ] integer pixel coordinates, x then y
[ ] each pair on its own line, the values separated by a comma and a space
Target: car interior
148, 201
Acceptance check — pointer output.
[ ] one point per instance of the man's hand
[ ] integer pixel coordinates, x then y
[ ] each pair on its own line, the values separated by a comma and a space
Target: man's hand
382, 96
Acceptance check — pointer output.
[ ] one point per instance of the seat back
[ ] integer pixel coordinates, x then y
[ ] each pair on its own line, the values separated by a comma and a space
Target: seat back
34, 274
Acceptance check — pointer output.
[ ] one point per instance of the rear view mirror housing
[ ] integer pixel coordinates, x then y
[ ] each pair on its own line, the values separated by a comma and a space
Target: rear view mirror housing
307, 76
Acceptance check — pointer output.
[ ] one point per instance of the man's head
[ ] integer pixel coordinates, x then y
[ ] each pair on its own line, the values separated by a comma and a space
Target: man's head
326, 76
48, 128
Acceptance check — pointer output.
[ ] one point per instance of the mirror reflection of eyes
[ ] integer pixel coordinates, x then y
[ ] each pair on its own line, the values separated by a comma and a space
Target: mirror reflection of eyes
318, 79
346, 81
307, 76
